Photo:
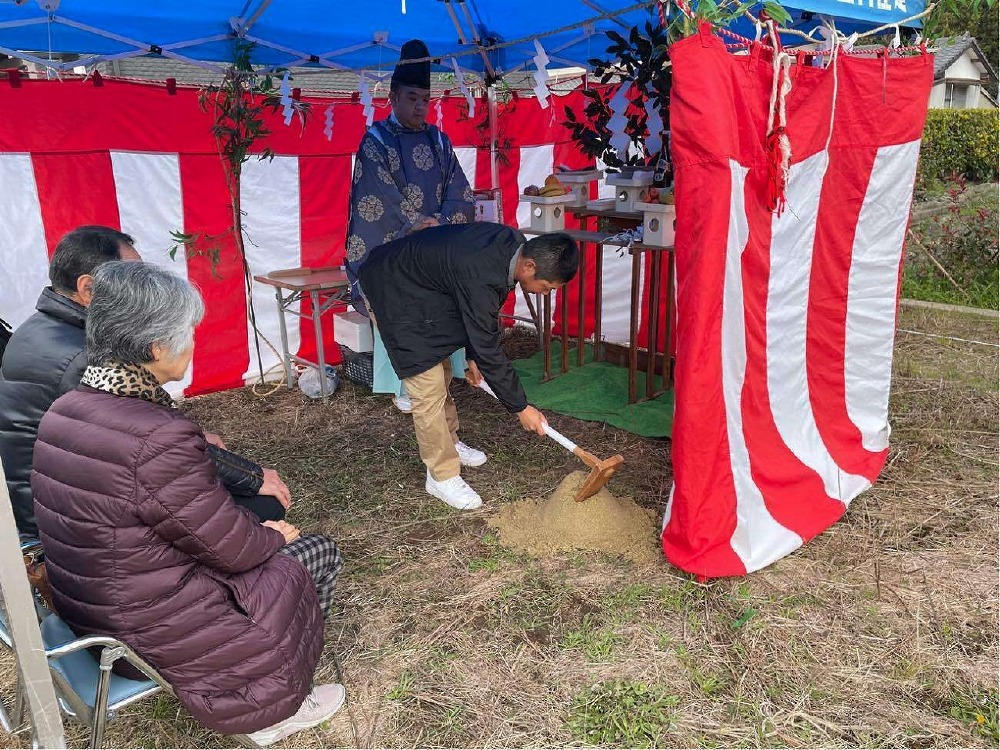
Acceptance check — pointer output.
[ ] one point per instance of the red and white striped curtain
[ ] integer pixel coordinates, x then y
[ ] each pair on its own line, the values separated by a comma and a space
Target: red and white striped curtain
785, 323
137, 157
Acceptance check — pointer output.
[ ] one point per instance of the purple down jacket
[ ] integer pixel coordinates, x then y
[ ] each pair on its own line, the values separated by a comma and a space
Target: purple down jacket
144, 544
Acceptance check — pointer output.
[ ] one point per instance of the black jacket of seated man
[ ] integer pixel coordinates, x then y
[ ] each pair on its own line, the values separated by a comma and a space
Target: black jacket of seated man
44, 359
440, 289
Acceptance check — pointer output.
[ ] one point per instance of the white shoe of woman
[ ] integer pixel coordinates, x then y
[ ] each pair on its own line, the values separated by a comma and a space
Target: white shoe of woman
322, 703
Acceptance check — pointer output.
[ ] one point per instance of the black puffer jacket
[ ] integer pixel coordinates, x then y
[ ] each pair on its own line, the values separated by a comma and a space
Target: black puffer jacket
43, 360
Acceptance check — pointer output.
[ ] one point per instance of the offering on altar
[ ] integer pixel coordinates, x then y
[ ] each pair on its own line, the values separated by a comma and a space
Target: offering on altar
548, 204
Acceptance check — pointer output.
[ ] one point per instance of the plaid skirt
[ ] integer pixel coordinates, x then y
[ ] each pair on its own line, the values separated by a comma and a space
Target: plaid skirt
322, 558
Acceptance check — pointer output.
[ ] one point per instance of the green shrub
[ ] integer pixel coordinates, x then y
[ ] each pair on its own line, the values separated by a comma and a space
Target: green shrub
959, 141
960, 242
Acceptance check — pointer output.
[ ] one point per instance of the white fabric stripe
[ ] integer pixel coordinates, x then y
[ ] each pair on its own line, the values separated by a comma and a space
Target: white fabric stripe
467, 161
793, 235
150, 204
616, 282
273, 239
669, 509
23, 252
758, 539
536, 165
872, 292
616, 293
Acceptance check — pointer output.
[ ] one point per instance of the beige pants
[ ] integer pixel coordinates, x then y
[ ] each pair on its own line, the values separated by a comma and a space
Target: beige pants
435, 420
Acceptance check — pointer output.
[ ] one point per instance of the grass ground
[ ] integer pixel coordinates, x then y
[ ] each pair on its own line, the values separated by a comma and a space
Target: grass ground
881, 632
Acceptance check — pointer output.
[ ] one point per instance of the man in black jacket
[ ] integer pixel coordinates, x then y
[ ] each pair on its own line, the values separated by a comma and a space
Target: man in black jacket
435, 291
45, 358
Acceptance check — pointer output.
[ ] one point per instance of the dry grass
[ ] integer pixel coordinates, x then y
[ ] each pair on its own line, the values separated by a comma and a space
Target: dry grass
880, 632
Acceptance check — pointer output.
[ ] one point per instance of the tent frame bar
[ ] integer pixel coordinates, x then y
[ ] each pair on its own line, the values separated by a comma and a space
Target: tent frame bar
555, 50
600, 9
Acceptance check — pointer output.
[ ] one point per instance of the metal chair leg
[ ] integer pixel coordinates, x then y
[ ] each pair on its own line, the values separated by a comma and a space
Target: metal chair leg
5, 720
100, 717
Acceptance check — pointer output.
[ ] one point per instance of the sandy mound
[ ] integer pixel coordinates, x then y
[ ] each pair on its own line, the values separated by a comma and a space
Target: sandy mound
602, 523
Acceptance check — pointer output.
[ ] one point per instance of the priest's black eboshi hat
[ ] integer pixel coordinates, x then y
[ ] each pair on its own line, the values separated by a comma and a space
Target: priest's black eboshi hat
417, 75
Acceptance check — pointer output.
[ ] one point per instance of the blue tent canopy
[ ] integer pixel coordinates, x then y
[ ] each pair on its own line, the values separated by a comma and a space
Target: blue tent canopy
368, 35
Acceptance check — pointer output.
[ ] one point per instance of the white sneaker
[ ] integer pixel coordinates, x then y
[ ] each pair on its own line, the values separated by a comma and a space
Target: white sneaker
454, 491
403, 403
469, 456
322, 703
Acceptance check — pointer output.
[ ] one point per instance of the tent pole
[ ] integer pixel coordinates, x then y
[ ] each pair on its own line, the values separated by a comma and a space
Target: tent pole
491, 94
29, 652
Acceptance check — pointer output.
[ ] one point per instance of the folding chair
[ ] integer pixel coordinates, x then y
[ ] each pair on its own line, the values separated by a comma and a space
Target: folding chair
87, 689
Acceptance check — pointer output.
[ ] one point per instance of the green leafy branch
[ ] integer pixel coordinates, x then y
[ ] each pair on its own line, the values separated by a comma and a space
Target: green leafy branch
640, 62
198, 245
240, 105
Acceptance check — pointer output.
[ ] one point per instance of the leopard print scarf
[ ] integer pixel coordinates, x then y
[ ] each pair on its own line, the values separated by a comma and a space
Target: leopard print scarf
131, 381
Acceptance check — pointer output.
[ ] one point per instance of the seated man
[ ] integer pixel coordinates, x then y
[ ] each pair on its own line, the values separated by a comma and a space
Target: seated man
437, 290
45, 358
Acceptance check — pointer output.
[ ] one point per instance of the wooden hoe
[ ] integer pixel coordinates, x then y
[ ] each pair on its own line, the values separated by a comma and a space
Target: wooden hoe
600, 471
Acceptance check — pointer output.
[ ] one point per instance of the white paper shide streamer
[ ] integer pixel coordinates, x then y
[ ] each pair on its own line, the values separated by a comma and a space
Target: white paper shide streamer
618, 122
328, 123
287, 107
460, 79
654, 123
367, 104
541, 75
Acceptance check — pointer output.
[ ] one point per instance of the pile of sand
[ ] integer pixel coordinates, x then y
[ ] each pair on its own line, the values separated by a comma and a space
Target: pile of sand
558, 523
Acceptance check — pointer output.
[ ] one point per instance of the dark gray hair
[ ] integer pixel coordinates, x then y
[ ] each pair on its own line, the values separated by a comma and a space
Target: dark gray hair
81, 251
556, 256
136, 305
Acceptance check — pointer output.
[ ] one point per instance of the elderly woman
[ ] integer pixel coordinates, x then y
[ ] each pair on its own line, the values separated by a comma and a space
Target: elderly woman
144, 544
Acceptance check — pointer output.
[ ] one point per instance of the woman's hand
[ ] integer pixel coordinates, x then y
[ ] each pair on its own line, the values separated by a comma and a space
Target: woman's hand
291, 533
211, 437
276, 488
532, 420
472, 375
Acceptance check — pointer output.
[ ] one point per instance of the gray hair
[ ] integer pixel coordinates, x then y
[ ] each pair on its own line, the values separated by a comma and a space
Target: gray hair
136, 305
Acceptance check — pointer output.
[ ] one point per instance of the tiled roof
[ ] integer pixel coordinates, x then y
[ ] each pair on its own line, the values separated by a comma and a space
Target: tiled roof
950, 49
315, 80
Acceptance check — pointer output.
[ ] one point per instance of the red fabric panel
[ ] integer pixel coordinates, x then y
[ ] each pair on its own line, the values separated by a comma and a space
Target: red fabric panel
702, 519
703, 506
221, 349
324, 190
74, 189
508, 168
129, 116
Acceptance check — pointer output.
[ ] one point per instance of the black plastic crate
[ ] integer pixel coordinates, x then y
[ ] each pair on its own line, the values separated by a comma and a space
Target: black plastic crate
359, 367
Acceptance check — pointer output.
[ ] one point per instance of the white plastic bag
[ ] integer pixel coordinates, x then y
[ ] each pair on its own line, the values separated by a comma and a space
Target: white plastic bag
309, 382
